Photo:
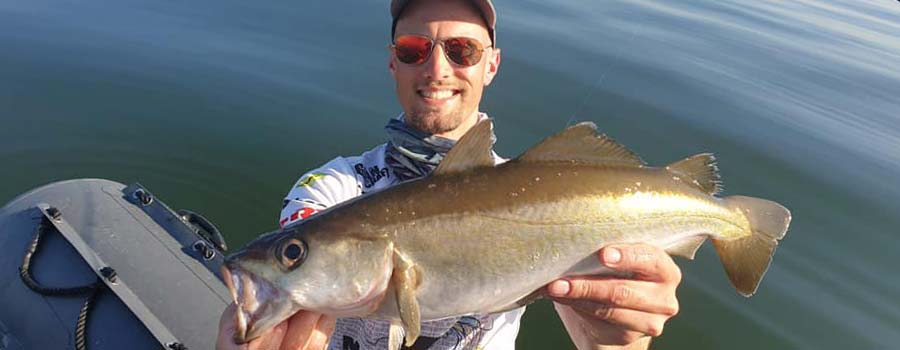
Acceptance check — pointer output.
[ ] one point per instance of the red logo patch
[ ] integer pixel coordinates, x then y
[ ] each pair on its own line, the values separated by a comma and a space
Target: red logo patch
300, 214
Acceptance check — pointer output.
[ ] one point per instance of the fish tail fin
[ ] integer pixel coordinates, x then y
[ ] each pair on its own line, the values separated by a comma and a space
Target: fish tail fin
746, 259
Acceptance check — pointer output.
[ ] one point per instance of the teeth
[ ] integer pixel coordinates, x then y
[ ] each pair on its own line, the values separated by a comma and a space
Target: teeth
437, 95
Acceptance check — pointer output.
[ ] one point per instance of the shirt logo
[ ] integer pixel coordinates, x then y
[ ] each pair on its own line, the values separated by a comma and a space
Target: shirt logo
300, 214
371, 175
310, 179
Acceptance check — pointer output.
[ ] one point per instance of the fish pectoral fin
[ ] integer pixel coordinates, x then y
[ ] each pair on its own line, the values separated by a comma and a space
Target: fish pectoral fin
686, 248
395, 336
581, 142
699, 171
472, 151
405, 278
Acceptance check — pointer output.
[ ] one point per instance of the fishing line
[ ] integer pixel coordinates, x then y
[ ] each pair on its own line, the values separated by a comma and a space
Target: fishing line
597, 82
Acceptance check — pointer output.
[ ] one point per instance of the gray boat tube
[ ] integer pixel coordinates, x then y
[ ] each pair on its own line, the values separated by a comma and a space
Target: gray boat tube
94, 264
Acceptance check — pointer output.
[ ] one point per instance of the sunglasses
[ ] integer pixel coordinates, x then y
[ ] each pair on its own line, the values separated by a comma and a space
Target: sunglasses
417, 49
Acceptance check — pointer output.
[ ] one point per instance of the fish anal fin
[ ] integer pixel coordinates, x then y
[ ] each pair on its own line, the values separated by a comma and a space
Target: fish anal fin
405, 279
472, 151
746, 261
747, 258
524, 301
699, 170
581, 143
591, 266
686, 248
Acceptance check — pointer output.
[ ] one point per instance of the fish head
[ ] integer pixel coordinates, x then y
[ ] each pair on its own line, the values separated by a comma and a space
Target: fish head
285, 271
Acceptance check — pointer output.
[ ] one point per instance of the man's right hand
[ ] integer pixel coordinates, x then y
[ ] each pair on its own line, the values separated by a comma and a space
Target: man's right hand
302, 331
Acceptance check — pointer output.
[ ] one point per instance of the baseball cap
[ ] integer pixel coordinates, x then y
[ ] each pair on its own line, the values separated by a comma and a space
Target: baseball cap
484, 6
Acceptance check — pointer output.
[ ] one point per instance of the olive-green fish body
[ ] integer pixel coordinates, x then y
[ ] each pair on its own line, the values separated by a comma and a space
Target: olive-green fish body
479, 238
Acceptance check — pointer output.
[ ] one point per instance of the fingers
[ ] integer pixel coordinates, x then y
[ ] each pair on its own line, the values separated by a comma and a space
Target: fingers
300, 326
227, 327
646, 323
324, 328
622, 294
303, 331
225, 340
226, 321
270, 340
588, 332
308, 331
621, 310
647, 262
656, 278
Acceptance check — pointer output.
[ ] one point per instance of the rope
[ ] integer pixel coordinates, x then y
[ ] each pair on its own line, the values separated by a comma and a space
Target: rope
81, 324
25, 270
91, 290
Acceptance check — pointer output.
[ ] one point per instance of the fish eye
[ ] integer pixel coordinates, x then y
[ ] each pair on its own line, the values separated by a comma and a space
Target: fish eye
292, 252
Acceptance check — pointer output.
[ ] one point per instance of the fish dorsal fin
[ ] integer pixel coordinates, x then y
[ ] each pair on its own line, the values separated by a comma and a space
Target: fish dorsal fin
699, 170
580, 142
472, 151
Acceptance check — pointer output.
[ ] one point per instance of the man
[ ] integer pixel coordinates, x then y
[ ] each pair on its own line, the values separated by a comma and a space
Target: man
442, 57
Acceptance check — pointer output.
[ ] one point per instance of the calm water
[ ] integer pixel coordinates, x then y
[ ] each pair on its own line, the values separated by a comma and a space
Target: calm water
218, 106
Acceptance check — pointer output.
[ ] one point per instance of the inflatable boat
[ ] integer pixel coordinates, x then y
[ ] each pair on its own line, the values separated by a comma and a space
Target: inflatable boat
94, 264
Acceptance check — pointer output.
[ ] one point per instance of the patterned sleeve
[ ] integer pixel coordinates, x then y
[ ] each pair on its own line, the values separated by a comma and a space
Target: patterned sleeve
318, 189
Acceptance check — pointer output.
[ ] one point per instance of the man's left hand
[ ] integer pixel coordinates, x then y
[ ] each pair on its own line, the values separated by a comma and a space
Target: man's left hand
620, 311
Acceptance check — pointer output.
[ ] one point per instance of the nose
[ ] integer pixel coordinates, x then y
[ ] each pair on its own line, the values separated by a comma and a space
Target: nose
438, 67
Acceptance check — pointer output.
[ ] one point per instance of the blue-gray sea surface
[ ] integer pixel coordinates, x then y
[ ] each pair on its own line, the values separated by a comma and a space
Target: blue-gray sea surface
218, 106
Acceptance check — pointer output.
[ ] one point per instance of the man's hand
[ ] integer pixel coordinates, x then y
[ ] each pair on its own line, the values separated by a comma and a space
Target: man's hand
620, 311
303, 331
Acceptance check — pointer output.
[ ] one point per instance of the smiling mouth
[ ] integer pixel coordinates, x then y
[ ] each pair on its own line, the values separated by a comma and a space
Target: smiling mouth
438, 95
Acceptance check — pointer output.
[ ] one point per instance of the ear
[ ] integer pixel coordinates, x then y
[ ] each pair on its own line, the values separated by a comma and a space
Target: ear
392, 65
493, 65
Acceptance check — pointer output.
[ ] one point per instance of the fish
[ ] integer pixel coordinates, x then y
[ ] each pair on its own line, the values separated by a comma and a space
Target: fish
476, 237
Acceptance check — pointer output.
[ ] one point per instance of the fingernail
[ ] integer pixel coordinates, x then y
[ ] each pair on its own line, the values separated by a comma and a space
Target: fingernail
611, 256
559, 288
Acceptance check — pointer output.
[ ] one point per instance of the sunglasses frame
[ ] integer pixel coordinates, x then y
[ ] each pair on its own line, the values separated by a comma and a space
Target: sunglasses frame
432, 41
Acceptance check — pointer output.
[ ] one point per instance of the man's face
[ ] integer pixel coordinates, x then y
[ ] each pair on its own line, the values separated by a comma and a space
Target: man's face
439, 96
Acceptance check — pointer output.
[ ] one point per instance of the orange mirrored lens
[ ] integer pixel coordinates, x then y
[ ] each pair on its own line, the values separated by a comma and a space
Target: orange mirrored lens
463, 51
412, 49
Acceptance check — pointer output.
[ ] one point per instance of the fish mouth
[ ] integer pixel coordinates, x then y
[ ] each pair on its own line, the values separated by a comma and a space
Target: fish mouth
260, 305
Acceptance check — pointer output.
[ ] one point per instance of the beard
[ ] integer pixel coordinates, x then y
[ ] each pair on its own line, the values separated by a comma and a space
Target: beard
432, 121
